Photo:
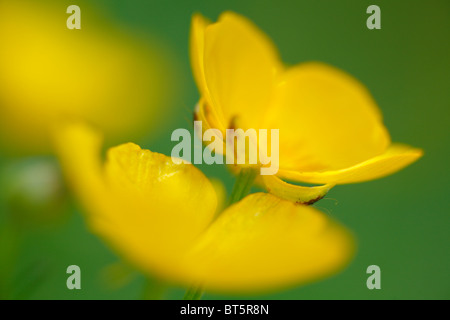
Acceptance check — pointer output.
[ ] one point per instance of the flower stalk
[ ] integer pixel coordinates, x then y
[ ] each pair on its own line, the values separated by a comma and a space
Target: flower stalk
243, 184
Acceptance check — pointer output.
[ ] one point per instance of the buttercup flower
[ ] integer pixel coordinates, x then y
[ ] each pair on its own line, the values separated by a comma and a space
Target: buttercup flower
98, 74
159, 216
330, 128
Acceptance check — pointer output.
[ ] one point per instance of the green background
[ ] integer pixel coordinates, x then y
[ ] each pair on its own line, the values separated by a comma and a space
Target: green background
401, 222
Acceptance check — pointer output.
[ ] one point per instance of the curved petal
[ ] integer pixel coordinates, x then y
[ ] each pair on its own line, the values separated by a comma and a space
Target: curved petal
327, 119
196, 48
396, 157
78, 148
297, 194
108, 76
205, 114
148, 208
240, 65
263, 242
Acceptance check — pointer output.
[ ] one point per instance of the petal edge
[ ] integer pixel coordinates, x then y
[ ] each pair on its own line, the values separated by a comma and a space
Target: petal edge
396, 157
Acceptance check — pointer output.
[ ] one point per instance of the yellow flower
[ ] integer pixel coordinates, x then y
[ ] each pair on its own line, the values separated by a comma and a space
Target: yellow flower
330, 128
99, 73
160, 217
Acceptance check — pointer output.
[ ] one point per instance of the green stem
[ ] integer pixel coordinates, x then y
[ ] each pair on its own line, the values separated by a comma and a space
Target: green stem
241, 188
193, 293
154, 289
242, 185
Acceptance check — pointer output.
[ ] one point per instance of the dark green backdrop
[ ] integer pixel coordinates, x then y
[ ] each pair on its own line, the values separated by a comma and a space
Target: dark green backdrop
401, 222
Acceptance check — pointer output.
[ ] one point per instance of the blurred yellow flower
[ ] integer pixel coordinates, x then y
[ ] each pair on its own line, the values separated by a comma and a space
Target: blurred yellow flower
330, 128
159, 216
100, 74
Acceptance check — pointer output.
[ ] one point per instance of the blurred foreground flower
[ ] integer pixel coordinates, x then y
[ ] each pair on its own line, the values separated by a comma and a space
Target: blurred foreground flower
100, 74
33, 192
159, 216
331, 130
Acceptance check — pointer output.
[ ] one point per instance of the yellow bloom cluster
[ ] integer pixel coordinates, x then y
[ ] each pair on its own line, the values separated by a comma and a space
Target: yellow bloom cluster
331, 130
100, 74
160, 215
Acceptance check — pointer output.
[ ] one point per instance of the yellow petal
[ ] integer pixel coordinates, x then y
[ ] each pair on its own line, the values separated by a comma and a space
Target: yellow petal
221, 194
240, 65
197, 37
196, 47
396, 157
78, 148
100, 74
327, 119
297, 194
205, 114
263, 242
148, 208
